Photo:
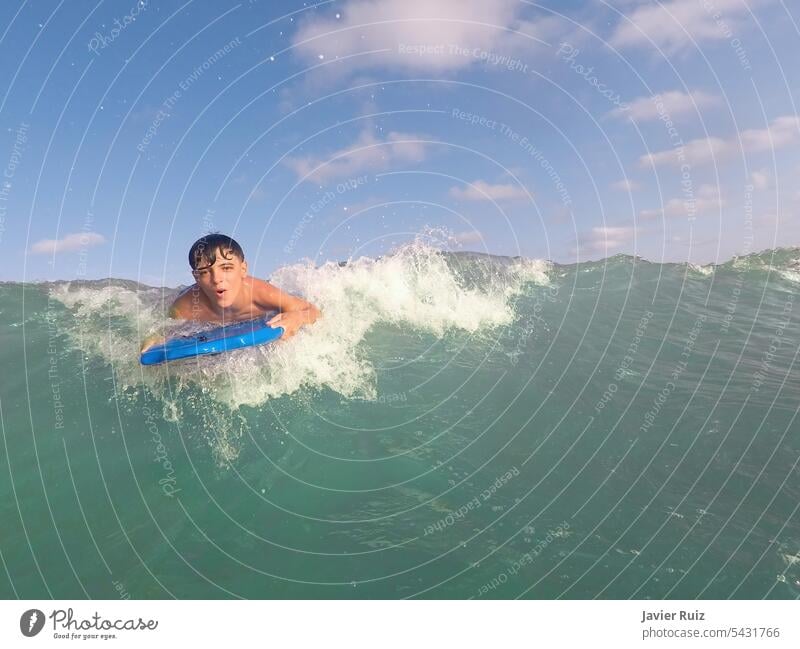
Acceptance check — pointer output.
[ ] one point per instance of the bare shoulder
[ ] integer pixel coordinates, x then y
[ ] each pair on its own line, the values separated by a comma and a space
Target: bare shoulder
263, 294
259, 285
181, 307
269, 296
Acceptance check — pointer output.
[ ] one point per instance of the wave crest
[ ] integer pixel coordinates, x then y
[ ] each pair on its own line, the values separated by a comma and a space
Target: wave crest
417, 291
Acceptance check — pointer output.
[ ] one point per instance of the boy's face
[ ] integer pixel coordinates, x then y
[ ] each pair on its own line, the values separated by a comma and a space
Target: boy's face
222, 281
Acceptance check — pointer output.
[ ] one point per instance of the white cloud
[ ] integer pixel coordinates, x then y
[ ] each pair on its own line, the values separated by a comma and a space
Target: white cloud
367, 153
783, 130
674, 26
696, 152
480, 190
393, 30
672, 104
761, 179
70, 243
467, 237
780, 133
604, 239
626, 185
767, 218
706, 202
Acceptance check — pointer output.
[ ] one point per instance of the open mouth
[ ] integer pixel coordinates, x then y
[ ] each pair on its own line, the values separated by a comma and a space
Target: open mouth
220, 292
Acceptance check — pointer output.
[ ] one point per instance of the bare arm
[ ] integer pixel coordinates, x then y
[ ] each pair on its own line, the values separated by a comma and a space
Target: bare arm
179, 307
294, 311
177, 310
188, 305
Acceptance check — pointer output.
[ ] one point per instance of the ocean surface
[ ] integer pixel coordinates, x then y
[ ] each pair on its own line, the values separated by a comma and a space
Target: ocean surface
456, 425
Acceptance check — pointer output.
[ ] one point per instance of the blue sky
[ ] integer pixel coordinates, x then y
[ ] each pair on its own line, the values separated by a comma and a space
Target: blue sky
561, 130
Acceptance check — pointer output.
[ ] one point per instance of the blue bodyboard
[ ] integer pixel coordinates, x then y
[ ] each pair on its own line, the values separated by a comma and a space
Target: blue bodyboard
212, 341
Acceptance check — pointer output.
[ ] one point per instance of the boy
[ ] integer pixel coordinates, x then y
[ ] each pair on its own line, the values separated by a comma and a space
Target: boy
224, 292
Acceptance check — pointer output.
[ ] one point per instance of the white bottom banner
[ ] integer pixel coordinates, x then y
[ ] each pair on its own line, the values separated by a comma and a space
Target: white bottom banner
389, 624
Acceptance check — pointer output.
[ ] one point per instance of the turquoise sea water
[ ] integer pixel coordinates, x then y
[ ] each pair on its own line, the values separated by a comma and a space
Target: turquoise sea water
456, 426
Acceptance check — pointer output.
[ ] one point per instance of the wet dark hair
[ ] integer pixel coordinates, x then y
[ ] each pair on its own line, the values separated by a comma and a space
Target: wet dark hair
205, 249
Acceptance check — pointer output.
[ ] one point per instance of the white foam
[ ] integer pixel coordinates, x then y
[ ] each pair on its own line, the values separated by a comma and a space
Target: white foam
414, 288
790, 275
706, 270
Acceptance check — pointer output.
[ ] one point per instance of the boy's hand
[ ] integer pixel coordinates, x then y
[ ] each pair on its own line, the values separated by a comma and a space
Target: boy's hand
150, 341
291, 321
